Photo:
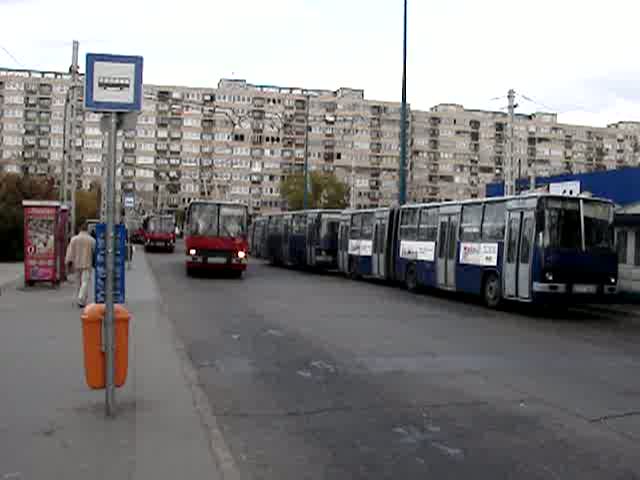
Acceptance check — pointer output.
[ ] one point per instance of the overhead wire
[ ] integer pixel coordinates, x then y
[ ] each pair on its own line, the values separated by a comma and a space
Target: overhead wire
11, 55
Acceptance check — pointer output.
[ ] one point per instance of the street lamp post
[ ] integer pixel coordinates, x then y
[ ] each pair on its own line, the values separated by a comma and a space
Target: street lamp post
403, 118
305, 198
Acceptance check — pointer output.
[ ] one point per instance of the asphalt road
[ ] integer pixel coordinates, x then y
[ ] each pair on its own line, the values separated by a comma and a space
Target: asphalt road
319, 377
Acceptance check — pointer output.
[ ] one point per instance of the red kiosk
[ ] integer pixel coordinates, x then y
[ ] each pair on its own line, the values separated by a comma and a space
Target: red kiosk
45, 241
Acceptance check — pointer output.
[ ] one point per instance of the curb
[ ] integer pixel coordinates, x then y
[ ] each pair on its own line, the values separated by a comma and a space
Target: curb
218, 447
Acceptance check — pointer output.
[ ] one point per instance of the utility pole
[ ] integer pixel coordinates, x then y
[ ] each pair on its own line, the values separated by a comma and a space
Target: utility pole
74, 113
305, 198
510, 180
403, 118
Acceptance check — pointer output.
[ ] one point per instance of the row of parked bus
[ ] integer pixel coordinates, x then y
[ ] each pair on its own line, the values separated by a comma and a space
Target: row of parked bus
538, 248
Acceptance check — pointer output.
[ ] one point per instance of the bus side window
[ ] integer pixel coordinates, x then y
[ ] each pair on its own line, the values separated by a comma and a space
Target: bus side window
409, 224
493, 222
428, 231
470, 223
442, 241
525, 244
356, 223
367, 226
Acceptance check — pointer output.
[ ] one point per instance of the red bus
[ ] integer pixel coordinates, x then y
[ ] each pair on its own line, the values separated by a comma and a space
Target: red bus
159, 231
215, 236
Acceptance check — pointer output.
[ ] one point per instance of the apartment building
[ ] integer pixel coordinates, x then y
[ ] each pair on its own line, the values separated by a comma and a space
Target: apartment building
457, 151
239, 140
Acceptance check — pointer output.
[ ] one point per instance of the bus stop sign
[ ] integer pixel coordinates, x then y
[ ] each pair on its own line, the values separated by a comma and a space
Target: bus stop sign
113, 83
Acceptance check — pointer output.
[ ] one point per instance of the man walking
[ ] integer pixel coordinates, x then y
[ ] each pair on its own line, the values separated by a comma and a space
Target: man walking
80, 258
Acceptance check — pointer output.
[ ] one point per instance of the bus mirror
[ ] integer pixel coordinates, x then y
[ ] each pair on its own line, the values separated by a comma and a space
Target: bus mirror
540, 239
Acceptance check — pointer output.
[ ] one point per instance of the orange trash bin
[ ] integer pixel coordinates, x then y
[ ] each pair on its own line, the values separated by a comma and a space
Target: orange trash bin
94, 357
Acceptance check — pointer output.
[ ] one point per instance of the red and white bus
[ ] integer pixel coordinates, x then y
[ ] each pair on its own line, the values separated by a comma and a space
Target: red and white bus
159, 231
215, 236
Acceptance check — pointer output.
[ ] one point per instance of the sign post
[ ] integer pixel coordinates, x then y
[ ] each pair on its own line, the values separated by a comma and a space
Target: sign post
113, 86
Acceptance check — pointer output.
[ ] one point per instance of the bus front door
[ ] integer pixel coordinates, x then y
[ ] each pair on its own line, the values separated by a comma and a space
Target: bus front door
518, 255
447, 243
379, 248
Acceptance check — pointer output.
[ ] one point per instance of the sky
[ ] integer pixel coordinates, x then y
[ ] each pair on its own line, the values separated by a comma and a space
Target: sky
576, 58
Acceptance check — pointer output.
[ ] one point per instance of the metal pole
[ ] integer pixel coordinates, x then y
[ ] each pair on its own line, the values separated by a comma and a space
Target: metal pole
72, 129
403, 118
353, 171
65, 152
510, 180
305, 198
110, 264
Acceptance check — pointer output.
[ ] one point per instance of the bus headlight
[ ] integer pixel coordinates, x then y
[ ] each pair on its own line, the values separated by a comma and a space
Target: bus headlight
241, 254
612, 280
548, 276
192, 251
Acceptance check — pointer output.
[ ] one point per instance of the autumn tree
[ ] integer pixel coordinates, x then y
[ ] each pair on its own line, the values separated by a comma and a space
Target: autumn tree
87, 205
325, 191
15, 188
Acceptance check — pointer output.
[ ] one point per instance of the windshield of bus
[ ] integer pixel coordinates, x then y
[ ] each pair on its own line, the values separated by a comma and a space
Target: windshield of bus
203, 219
161, 225
562, 223
233, 221
598, 225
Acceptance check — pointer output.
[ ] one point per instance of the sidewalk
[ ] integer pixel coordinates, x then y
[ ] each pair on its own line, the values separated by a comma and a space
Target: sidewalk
10, 272
53, 427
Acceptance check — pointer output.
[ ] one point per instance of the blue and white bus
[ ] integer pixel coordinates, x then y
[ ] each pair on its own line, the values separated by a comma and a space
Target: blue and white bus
301, 239
538, 248
367, 240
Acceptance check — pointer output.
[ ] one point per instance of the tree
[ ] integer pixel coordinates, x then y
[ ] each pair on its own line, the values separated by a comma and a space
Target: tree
325, 191
15, 188
87, 205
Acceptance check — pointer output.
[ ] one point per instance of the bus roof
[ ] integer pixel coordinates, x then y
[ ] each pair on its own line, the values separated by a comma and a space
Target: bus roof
218, 202
502, 199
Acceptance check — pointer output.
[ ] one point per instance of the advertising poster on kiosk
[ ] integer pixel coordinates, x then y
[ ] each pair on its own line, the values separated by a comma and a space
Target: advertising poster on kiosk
40, 229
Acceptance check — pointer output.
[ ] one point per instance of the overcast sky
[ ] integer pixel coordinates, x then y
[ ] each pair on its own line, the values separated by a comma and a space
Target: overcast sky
576, 57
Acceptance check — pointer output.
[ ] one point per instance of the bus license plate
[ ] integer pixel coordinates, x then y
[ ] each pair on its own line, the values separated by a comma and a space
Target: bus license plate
216, 260
584, 289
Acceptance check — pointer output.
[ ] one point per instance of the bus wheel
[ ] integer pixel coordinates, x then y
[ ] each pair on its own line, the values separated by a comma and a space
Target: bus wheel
491, 291
411, 279
189, 272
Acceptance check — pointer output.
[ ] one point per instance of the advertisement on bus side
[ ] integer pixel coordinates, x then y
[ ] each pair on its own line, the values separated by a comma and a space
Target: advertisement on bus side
415, 250
363, 248
482, 254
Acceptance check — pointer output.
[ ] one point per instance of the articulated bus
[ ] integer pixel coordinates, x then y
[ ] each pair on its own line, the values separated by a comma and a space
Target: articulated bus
216, 236
532, 248
257, 236
301, 239
538, 248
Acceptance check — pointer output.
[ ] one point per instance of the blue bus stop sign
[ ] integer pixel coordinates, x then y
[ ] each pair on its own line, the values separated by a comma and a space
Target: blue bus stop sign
101, 257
